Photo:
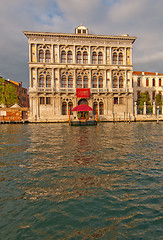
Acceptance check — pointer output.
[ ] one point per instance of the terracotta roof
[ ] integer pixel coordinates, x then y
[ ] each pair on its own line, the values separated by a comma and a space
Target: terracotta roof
14, 82
146, 73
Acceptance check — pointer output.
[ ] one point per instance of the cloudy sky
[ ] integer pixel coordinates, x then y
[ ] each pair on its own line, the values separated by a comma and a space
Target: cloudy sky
140, 18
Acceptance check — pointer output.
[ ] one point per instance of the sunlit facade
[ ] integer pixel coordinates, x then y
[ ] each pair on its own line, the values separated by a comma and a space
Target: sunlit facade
61, 63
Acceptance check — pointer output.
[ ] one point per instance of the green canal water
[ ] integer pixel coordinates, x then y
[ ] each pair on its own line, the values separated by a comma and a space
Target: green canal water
96, 182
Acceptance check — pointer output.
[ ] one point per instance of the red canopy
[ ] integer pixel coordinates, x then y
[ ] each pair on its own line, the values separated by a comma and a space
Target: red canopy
82, 108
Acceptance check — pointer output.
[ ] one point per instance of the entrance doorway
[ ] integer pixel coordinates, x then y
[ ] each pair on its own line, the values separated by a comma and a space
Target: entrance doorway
83, 101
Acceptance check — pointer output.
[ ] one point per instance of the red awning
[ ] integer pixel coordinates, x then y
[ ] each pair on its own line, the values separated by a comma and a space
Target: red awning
82, 108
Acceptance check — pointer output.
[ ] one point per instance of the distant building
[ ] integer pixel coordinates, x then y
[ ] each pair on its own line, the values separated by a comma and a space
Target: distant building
71, 69
21, 93
152, 82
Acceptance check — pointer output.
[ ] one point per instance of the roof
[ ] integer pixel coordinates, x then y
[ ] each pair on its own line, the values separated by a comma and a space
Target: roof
13, 82
146, 73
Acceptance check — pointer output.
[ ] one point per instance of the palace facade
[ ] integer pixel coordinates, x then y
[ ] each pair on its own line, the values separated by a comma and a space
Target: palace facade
81, 68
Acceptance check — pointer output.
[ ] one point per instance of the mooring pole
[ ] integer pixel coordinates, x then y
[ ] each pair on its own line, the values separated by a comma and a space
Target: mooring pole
157, 114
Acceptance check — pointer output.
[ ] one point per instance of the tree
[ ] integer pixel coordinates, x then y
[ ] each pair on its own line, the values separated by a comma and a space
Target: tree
158, 100
143, 97
8, 94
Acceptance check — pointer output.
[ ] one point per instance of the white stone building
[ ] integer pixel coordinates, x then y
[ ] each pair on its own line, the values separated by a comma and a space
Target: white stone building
69, 69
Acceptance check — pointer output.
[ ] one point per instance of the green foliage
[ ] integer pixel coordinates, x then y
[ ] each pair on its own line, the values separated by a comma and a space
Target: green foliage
143, 97
8, 94
158, 100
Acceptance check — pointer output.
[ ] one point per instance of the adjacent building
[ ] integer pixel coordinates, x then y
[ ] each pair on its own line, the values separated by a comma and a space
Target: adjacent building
70, 69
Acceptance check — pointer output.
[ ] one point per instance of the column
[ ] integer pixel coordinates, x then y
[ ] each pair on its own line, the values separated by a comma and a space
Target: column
154, 108
135, 108
145, 109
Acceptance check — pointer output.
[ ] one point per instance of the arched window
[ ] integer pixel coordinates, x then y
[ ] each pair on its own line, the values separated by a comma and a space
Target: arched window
48, 81
120, 59
85, 57
100, 82
41, 56
95, 108
138, 82
94, 58
114, 58
41, 81
47, 56
70, 82
94, 82
101, 108
69, 57
79, 82
115, 84
147, 82
70, 107
100, 58
85, 82
64, 108
153, 82
63, 81
120, 82
63, 57
79, 57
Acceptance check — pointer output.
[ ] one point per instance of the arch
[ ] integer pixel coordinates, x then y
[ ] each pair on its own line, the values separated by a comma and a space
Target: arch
85, 82
114, 58
120, 58
79, 57
48, 81
63, 81
100, 58
94, 82
94, 58
41, 81
64, 108
70, 107
120, 82
100, 82
69, 57
101, 108
85, 57
47, 56
83, 101
95, 108
70, 82
41, 56
63, 57
79, 81
115, 83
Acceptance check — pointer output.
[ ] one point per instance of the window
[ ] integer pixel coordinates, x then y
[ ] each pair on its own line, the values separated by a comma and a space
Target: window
147, 82
48, 81
120, 82
63, 81
84, 31
79, 30
94, 82
42, 100
115, 100
85, 58
64, 108
101, 108
153, 95
100, 82
79, 82
70, 82
85, 82
121, 100
69, 57
70, 107
160, 82
47, 56
138, 82
100, 58
63, 57
79, 57
48, 100
94, 58
95, 108
115, 83
41, 81
153, 82
120, 59
114, 58
41, 56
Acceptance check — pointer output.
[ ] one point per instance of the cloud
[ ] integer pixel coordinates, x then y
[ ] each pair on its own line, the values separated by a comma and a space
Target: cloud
140, 18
